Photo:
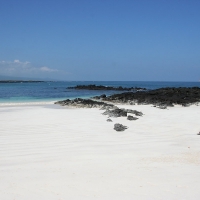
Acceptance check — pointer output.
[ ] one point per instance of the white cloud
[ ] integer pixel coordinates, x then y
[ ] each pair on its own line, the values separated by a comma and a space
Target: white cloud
47, 69
23, 69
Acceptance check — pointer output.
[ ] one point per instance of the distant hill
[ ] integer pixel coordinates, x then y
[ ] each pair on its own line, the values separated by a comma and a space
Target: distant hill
19, 81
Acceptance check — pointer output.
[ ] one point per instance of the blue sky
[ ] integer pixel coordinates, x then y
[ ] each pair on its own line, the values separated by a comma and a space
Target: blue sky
122, 40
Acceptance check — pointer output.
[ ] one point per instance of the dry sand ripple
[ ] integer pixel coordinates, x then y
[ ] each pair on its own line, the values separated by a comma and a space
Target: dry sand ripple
51, 152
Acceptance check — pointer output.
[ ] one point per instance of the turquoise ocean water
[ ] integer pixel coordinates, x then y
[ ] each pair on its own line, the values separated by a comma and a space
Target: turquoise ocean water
54, 91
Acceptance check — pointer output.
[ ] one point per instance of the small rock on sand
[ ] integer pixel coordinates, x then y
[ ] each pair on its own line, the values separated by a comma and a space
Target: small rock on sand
131, 117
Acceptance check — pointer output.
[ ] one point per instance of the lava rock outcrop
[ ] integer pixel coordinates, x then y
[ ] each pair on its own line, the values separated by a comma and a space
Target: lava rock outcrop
101, 87
163, 97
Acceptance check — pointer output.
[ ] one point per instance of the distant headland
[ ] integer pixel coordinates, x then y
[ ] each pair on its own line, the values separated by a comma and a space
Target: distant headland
19, 81
101, 87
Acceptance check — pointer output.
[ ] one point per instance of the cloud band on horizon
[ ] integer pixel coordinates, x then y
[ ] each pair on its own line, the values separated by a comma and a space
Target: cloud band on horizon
19, 68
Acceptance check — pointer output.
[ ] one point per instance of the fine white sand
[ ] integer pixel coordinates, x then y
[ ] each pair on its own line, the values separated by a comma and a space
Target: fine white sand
49, 152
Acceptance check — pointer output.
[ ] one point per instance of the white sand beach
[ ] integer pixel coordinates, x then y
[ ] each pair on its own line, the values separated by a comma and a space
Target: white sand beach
48, 152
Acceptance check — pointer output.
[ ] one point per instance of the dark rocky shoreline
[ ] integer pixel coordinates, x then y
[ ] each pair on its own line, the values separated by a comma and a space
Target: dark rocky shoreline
101, 87
163, 97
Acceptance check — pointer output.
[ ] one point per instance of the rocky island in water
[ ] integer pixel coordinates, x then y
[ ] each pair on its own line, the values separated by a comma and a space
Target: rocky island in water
101, 87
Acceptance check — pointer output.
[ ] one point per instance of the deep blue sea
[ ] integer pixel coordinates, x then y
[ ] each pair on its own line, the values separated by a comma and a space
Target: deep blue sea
54, 91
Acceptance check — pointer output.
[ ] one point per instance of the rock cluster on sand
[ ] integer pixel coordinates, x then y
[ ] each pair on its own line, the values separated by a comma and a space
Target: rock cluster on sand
115, 112
162, 97
101, 87
111, 110
85, 103
121, 112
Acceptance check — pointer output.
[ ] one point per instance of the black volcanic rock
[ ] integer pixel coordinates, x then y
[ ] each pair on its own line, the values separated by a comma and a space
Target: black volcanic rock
121, 112
119, 127
135, 112
131, 118
85, 103
163, 97
116, 113
101, 87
